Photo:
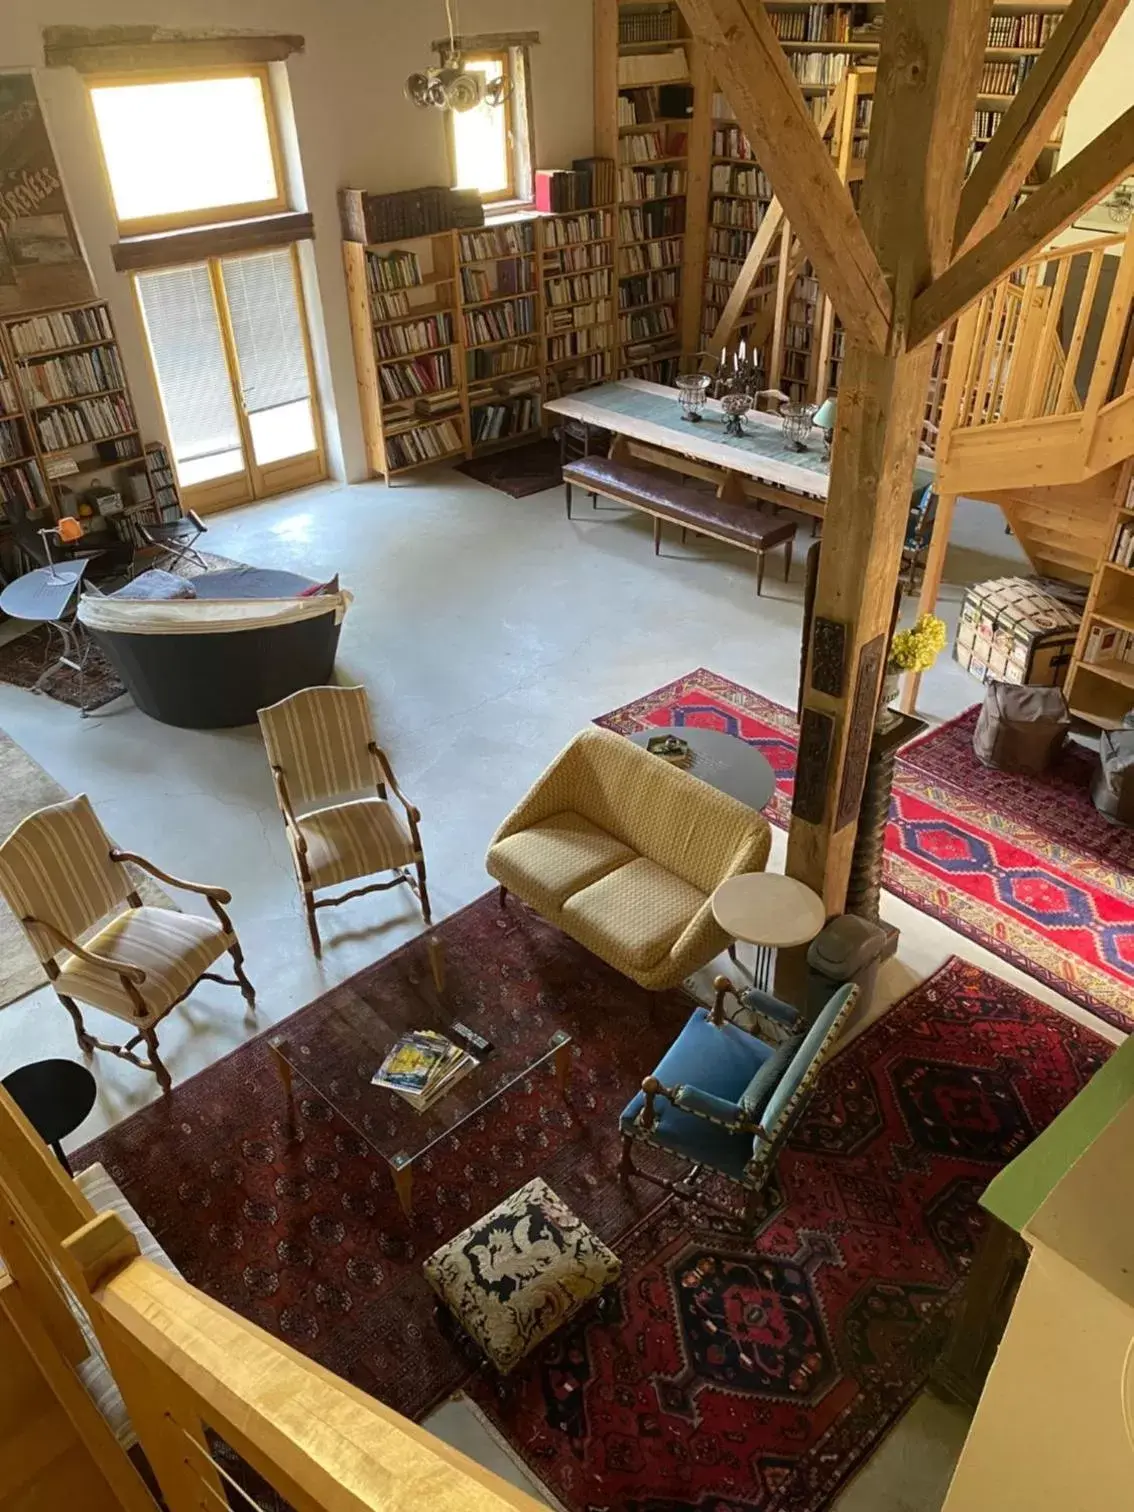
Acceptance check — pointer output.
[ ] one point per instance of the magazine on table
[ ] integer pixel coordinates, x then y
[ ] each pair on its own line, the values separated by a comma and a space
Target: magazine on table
421, 1067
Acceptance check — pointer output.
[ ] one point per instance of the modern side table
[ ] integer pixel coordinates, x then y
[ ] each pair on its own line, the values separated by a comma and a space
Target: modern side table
770, 911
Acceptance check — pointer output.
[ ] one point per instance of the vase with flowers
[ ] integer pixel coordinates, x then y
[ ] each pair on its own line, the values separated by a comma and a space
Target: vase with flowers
912, 650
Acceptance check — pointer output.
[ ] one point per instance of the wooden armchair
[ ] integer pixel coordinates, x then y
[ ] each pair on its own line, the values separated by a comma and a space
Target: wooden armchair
725, 1101
61, 876
333, 783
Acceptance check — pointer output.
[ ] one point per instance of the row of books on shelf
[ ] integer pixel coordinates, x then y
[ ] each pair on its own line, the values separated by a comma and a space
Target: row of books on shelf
577, 228
640, 258
1123, 553
9, 398
647, 23
747, 213
1005, 78
571, 287
647, 146
425, 443
753, 181
645, 222
1031, 30
598, 312
494, 422
577, 343
22, 489
399, 269
62, 328
515, 317
731, 242
415, 335
87, 420
12, 443
71, 376
648, 289
985, 124
818, 23
572, 259
1105, 643
407, 213
647, 323
512, 240
730, 142
650, 183
588, 182
723, 270
500, 361
819, 67
797, 335
422, 376
159, 471
506, 278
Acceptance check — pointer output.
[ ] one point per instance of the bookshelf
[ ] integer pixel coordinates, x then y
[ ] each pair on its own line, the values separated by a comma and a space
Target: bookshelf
64, 370
499, 335
577, 280
1100, 681
22, 482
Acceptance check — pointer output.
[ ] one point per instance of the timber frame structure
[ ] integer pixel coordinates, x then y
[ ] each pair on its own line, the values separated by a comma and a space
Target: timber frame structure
923, 249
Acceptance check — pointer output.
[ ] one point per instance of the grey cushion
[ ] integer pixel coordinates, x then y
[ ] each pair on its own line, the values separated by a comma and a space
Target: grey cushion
157, 585
754, 1098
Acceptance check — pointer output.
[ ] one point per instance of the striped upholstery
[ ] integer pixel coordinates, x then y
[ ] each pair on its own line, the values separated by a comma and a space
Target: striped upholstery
56, 866
352, 840
173, 949
320, 739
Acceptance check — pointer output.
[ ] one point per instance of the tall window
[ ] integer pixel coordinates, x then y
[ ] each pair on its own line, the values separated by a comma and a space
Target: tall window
184, 150
491, 145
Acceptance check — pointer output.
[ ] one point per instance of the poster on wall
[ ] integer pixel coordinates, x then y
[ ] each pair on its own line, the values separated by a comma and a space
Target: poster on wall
41, 263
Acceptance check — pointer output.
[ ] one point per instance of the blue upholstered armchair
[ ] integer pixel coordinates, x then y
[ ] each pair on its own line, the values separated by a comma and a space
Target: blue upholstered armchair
725, 1100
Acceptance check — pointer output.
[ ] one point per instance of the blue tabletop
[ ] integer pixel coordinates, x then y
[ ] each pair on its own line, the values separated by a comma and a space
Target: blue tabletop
45, 593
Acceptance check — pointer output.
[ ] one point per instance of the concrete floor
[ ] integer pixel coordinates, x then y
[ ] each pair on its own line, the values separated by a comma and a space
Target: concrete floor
487, 631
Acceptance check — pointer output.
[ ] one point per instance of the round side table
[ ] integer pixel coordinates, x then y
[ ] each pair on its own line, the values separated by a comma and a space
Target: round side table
770, 911
55, 1096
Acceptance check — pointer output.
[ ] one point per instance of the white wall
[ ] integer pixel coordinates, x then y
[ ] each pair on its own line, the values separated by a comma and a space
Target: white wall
354, 128
1105, 93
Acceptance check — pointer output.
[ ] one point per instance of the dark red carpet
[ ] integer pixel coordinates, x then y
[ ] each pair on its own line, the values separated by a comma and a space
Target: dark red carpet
733, 1375
1024, 867
757, 1376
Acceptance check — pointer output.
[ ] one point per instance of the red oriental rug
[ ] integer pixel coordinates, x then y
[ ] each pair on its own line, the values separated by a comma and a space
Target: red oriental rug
760, 1374
1025, 868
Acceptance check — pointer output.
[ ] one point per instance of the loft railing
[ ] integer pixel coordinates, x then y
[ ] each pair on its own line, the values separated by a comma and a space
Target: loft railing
226, 1416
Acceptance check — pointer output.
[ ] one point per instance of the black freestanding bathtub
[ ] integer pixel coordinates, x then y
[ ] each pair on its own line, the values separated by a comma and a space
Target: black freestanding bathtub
249, 638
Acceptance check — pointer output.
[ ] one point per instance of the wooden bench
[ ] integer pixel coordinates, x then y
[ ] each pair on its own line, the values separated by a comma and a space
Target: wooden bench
665, 497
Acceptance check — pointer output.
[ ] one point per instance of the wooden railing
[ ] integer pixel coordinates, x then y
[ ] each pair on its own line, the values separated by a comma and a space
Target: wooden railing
224, 1413
1019, 348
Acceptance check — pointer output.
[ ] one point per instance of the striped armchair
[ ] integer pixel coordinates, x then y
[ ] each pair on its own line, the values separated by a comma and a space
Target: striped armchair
623, 851
61, 876
323, 754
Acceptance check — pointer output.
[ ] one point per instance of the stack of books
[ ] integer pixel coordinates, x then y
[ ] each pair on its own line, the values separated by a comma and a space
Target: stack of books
422, 1066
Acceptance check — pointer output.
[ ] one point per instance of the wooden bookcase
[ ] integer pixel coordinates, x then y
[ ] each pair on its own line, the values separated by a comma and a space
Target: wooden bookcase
1101, 689
499, 334
65, 370
21, 474
577, 285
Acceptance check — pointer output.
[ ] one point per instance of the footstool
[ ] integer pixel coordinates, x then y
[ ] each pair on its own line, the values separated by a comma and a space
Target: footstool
517, 1274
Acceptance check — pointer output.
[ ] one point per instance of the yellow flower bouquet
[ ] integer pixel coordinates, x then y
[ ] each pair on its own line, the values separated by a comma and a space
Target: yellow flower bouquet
916, 649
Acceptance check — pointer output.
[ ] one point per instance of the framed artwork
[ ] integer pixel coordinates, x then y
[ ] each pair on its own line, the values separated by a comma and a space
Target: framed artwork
41, 261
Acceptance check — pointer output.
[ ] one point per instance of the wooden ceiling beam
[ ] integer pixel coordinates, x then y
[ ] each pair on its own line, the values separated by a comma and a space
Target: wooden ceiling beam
1027, 125
749, 63
1051, 209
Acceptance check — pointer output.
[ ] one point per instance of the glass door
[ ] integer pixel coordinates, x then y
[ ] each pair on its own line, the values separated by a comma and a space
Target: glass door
228, 340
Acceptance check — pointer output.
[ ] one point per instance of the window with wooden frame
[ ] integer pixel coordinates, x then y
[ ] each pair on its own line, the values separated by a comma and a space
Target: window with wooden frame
490, 147
185, 149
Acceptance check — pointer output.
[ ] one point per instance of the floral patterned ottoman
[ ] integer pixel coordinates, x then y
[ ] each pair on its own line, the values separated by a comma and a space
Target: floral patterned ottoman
517, 1274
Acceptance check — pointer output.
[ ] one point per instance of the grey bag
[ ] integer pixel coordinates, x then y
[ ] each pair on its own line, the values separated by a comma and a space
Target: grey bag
1113, 789
1021, 729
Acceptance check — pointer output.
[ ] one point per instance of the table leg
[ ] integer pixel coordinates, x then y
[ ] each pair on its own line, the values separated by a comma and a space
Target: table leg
61, 1158
283, 1065
561, 1059
401, 1169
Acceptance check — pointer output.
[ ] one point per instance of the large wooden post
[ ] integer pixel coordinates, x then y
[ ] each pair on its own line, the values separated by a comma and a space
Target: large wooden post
928, 68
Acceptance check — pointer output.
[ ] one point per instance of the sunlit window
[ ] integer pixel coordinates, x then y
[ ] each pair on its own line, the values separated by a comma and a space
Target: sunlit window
185, 149
482, 138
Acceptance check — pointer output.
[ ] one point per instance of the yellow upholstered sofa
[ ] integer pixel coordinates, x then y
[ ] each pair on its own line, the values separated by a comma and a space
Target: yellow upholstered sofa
622, 851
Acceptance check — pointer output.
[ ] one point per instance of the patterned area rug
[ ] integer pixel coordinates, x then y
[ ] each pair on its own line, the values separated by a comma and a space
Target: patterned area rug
1021, 868
730, 1374
519, 471
760, 1374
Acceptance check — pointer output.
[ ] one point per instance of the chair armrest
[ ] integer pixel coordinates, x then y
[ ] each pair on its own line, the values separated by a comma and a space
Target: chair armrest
133, 974
287, 811
717, 1110
387, 771
206, 889
775, 1020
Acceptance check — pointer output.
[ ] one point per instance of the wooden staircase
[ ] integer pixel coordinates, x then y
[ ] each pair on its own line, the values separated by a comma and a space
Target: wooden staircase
1039, 408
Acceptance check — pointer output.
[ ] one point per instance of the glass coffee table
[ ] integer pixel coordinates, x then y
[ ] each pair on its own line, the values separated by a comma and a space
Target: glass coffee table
343, 1051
